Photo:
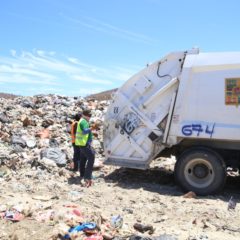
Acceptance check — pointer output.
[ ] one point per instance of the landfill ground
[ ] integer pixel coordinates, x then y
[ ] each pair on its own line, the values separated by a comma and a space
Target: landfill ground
147, 197
42, 199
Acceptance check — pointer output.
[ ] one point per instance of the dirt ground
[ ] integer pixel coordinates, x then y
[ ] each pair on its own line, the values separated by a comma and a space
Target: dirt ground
148, 197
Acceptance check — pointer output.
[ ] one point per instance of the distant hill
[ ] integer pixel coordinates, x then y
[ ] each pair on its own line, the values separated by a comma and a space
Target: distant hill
106, 95
8, 95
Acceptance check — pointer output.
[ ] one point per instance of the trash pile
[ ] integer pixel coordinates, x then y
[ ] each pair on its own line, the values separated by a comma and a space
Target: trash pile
35, 147
35, 130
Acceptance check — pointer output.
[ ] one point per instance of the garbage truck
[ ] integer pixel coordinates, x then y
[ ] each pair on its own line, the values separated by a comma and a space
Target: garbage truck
186, 105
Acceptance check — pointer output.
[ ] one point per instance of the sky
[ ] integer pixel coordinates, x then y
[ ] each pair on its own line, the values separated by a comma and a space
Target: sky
77, 48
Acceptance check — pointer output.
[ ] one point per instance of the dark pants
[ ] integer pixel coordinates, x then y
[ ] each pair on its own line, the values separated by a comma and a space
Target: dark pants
87, 157
76, 158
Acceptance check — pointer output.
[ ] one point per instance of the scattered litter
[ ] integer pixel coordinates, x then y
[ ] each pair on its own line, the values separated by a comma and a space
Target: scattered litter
55, 154
81, 227
232, 203
135, 237
45, 216
190, 195
42, 197
143, 228
116, 221
4, 171
31, 142
13, 215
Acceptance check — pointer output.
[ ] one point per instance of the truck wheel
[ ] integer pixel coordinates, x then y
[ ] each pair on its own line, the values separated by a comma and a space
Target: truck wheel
200, 170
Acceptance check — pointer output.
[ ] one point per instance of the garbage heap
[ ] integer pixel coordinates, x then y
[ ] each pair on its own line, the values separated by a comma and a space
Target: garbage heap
35, 131
36, 154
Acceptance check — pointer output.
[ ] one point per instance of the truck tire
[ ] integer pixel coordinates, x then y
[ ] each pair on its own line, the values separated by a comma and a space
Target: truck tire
200, 170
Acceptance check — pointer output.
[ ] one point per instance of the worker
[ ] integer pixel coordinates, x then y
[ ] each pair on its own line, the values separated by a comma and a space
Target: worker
87, 154
76, 153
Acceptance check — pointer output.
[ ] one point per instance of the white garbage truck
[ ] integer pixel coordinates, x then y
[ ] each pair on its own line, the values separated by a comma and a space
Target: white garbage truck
185, 105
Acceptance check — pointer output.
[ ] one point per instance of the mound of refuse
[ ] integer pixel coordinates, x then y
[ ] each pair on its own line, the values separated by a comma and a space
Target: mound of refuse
35, 131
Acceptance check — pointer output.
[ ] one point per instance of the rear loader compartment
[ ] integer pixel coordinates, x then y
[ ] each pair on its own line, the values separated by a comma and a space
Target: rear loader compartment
136, 120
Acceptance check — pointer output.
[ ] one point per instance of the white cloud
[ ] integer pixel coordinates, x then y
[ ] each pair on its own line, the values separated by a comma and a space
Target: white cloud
41, 53
107, 28
43, 68
25, 71
91, 80
45, 90
13, 52
73, 60
17, 78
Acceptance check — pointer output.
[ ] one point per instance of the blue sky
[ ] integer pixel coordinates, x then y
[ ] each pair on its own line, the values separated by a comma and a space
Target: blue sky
76, 47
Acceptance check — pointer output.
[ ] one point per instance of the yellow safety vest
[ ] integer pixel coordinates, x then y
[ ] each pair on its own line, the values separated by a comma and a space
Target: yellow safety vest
81, 139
